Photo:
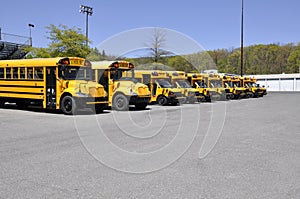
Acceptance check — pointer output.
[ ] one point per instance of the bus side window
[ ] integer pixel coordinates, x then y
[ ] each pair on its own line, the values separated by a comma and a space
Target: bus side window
8, 73
1, 73
15, 73
22, 73
29, 73
38, 73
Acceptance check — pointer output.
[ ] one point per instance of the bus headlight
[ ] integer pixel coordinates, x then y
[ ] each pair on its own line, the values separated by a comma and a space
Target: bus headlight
80, 94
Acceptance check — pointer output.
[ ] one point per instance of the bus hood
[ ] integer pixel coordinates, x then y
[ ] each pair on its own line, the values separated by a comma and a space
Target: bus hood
84, 88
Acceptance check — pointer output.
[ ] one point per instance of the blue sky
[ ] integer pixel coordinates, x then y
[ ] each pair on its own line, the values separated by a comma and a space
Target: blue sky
211, 23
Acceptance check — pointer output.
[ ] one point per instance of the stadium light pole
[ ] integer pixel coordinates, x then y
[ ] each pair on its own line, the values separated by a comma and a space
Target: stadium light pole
30, 38
242, 39
88, 11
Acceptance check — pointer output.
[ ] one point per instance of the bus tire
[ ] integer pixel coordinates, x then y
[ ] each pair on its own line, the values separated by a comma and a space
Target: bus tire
68, 105
120, 102
162, 100
141, 106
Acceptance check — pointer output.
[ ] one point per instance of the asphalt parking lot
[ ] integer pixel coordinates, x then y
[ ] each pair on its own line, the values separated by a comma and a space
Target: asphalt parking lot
246, 148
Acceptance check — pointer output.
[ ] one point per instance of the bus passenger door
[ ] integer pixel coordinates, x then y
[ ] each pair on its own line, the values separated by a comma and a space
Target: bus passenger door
147, 81
50, 88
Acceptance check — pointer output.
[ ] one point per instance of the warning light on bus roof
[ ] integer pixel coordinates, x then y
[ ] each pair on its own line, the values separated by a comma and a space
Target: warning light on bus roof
131, 66
114, 65
64, 61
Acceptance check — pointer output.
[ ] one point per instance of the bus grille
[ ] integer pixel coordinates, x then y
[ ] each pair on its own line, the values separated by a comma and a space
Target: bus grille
96, 92
143, 91
178, 94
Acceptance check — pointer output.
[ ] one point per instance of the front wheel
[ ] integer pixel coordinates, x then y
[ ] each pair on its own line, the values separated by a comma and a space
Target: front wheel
120, 102
68, 105
162, 100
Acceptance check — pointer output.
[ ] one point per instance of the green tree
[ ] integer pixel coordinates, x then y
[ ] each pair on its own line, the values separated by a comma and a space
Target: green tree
37, 53
95, 55
180, 63
200, 61
220, 57
282, 57
233, 62
66, 41
294, 62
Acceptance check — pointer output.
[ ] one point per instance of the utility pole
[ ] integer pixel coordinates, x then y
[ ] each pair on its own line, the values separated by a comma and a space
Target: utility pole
88, 11
242, 39
30, 38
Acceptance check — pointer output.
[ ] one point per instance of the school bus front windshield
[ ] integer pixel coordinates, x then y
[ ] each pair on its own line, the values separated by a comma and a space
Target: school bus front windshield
74, 73
236, 84
248, 84
230, 84
163, 83
201, 84
123, 75
216, 83
183, 84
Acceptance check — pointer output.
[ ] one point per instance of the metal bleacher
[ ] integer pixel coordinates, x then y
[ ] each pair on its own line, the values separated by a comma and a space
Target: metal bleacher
13, 46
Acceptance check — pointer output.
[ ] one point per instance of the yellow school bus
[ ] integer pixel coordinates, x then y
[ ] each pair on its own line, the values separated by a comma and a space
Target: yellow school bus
235, 86
197, 81
252, 91
179, 80
215, 87
262, 89
162, 91
123, 90
228, 85
53, 83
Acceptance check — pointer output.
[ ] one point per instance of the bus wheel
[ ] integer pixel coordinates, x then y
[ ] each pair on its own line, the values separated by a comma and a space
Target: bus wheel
162, 100
120, 102
141, 106
68, 105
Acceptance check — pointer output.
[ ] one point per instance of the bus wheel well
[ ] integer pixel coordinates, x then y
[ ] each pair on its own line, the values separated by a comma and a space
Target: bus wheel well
117, 93
62, 97
64, 94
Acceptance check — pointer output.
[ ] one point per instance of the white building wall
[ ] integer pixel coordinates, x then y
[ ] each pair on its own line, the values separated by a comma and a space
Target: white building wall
297, 84
279, 82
